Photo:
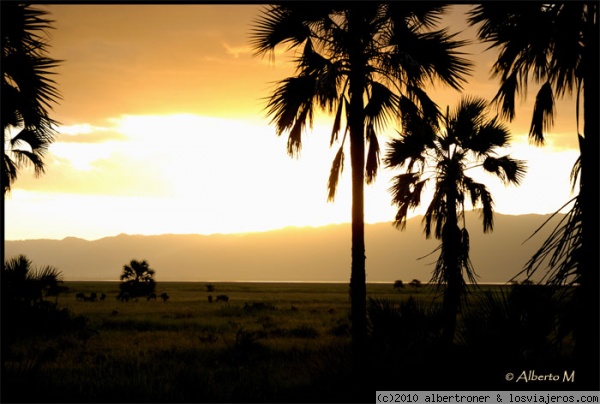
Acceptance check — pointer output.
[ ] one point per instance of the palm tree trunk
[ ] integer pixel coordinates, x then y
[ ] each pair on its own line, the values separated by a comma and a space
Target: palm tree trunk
451, 246
587, 303
358, 290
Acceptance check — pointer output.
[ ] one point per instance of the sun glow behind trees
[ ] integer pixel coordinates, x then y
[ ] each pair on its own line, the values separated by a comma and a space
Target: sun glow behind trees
191, 174
128, 160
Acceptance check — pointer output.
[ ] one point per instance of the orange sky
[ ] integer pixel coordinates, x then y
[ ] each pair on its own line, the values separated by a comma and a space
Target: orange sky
164, 131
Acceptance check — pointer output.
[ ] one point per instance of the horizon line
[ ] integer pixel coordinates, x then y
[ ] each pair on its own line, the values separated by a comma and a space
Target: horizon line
241, 233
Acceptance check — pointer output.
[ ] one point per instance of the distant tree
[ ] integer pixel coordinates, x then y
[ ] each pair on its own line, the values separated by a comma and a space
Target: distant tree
398, 285
137, 279
415, 283
210, 287
27, 90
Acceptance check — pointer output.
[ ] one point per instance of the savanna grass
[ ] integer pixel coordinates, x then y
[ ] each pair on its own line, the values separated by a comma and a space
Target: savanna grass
268, 343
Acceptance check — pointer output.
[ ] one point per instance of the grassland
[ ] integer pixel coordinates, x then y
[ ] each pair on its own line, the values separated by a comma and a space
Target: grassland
270, 342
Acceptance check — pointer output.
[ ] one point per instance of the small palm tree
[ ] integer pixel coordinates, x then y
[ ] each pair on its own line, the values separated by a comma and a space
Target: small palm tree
362, 62
24, 285
137, 279
430, 154
24, 309
27, 90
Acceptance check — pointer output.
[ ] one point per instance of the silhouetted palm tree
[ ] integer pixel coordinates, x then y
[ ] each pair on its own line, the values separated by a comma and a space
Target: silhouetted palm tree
27, 90
555, 46
362, 62
24, 285
137, 279
431, 154
25, 312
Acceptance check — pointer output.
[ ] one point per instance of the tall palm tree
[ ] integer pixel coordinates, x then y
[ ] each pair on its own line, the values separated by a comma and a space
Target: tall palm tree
137, 278
27, 90
361, 62
555, 46
442, 155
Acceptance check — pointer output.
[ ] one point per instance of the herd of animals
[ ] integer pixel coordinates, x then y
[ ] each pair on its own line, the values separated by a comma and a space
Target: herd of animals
125, 297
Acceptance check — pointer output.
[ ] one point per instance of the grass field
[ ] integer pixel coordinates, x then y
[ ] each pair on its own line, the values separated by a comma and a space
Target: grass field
270, 342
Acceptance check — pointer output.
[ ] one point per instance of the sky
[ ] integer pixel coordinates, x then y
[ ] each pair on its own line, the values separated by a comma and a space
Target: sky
163, 129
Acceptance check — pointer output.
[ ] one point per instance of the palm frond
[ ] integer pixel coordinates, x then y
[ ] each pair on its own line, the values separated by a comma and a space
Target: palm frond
294, 143
337, 167
439, 59
490, 134
560, 253
505, 97
9, 173
337, 122
543, 114
381, 106
277, 25
406, 193
26, 158
468, 116
372, 163
479, 194
509, 170
435, 214
291, 108
419, 14
428, 111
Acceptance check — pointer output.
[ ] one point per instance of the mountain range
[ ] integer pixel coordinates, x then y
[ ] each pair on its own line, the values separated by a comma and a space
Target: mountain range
292, 254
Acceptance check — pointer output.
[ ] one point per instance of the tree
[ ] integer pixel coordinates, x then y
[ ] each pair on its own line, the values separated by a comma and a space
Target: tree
362, 62
555, 47
137, 279
442, 155
25, 311
398, 285
27, 90
24, 285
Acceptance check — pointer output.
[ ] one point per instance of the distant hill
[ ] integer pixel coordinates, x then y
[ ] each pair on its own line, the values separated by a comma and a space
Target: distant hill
320, 254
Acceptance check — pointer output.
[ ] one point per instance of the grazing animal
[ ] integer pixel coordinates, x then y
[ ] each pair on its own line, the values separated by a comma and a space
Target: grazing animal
222, 298
164, 296
151, 296
210, 298
103, 296
83, 298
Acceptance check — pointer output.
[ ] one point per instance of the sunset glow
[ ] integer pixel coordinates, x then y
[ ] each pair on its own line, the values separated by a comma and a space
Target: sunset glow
163, 130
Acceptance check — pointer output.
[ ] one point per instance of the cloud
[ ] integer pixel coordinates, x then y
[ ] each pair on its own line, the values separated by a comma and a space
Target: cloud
86, 133
236, 51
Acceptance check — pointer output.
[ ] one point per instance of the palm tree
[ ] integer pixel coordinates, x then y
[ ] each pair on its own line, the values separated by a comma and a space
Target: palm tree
362, 62
27, 90
555, 46
26, 286
431, 154
137, 279
24, 309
